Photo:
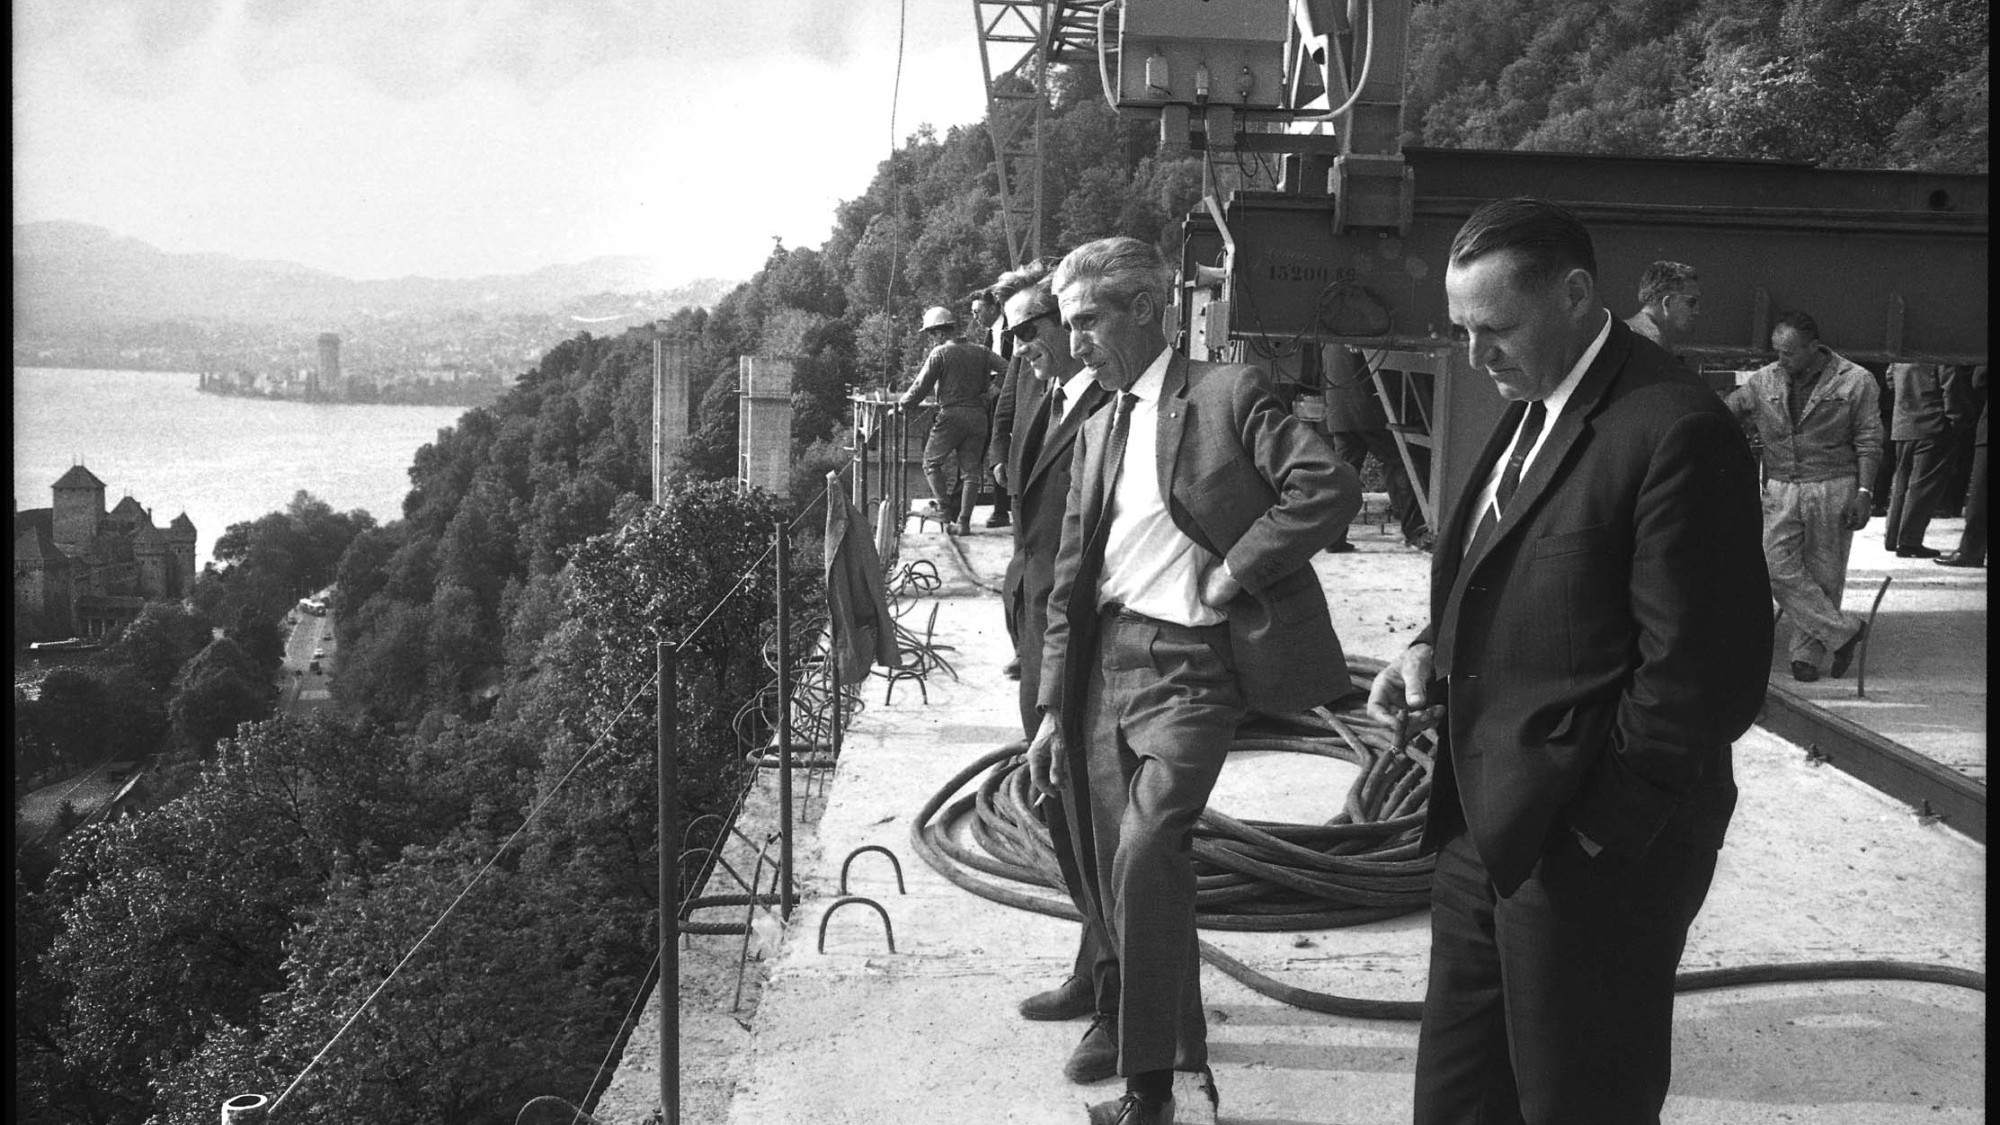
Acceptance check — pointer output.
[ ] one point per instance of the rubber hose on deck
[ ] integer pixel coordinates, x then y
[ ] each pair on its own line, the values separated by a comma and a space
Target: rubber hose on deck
1361, 866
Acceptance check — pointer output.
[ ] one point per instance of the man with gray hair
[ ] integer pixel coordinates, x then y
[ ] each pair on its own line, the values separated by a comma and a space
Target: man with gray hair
1669, 300
1183, 598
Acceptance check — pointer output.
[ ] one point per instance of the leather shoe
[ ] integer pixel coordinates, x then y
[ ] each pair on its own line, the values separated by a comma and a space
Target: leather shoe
999, 519
1918, 552
1957, 558
1132, 1110
1096, 1056
1844, 655
1340, 548
1804, 672
1067, 1001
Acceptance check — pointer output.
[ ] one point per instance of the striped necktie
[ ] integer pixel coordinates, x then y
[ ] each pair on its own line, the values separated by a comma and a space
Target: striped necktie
1114, 463
1510, 477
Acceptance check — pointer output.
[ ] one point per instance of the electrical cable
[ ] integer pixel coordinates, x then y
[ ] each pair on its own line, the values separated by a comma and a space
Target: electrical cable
895, 220
1360, 82
1362, 865
464, 891
1103, 71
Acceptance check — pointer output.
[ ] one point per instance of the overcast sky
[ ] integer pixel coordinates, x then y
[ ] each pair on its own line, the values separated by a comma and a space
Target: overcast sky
380, 138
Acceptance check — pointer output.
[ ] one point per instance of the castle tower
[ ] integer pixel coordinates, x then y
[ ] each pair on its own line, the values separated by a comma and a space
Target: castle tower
181, 539
79, 508
149, 552
42, 588
329, 364
126, 517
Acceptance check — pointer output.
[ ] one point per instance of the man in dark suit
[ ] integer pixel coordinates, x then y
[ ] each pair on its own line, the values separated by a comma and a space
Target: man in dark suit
1183, 597
1035, 465
1600, 633
1020, 389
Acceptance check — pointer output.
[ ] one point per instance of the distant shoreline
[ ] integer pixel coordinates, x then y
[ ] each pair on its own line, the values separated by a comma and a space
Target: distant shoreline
56, 365
428, 393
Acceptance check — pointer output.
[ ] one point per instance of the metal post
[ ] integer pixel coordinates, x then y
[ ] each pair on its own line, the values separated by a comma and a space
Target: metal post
859, 483
901, 511
881, 462
245, 1109
784, 728
659, 418
669, 990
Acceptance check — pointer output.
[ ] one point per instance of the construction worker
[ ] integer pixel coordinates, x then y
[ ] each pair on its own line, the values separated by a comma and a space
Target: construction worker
960, 371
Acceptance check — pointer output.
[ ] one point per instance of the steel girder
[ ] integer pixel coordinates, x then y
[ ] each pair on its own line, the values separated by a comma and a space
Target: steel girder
1018, 41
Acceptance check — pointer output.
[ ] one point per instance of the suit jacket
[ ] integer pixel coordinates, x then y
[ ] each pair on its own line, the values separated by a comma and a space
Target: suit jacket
1601, 649
1253, 485
1041, 470
1918, 410
1019, 391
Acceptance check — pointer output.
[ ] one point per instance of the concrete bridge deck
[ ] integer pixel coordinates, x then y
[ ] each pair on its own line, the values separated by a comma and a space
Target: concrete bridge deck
1818, 867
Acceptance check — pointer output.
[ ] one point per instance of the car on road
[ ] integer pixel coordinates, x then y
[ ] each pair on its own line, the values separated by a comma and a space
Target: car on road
318, 653
315, 666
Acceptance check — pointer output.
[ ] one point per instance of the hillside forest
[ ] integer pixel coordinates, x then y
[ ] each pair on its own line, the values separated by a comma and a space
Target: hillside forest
476, 809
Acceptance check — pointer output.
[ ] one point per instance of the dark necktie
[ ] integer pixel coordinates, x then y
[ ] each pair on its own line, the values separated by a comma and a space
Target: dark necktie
1056, 407
1510, 477
1114, 462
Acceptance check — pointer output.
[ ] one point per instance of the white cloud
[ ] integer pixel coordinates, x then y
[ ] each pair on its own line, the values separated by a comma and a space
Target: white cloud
468, 138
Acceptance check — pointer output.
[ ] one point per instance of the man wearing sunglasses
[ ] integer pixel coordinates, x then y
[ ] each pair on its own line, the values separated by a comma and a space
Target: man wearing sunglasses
1058, 395
1669, 301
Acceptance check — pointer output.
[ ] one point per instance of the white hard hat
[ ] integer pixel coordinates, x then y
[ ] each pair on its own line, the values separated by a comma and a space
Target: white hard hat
937, 316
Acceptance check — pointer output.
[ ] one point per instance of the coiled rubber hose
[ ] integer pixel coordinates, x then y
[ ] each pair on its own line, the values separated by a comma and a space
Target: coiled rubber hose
1361, 866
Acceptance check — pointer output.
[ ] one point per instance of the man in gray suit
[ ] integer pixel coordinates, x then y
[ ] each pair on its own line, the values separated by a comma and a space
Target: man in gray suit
1183, 598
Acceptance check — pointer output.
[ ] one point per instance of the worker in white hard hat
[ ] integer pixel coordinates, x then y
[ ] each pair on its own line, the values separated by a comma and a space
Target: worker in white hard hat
960, 371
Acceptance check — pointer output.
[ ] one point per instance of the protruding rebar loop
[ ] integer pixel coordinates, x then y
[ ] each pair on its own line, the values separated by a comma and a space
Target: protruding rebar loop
887, 928
245, 1109
917, 578
572, 1113
893, 862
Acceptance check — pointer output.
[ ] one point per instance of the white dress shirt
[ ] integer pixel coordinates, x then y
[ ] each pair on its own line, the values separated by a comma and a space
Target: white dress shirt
1148, 564
1072, 389
1554, 403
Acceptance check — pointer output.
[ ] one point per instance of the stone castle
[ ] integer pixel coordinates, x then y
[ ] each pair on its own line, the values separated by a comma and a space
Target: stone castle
82, 571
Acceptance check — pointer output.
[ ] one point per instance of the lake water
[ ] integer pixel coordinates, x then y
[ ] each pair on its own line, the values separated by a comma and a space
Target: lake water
223, 461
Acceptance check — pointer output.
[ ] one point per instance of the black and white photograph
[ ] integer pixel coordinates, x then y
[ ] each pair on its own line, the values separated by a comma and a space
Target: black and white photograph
1062, 562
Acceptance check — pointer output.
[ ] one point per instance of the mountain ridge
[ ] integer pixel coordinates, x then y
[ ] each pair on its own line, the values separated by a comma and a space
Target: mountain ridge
71, 274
